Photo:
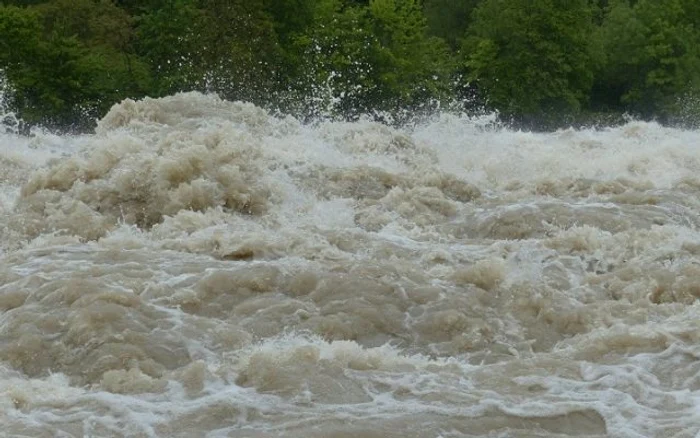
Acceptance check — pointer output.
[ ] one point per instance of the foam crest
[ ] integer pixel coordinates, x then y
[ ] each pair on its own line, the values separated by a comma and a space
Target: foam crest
201, 267
140, 179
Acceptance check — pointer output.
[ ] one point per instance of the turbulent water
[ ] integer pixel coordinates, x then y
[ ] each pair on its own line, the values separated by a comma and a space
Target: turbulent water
201, 268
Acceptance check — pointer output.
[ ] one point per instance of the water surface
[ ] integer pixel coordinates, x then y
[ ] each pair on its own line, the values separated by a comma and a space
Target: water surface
200, 268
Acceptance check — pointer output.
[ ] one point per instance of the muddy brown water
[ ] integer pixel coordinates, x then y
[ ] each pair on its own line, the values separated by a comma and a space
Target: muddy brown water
200, 268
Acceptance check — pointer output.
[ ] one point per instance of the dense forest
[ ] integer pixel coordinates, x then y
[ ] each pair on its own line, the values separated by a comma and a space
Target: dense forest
539, 63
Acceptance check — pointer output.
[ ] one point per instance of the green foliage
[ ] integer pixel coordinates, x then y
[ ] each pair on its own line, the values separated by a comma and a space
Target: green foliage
228, 47
19, 31
58, 79
239, 49
294, 21
532, 58
291, 18
374, 58
168, 37
413, 66
96, 23
653, 55
335, 67
21, 2
541, 62
449, 19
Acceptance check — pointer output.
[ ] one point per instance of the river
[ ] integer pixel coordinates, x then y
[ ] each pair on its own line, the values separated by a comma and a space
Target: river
198, 267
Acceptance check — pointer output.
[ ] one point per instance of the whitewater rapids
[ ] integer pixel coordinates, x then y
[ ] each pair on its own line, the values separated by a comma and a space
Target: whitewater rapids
202, 268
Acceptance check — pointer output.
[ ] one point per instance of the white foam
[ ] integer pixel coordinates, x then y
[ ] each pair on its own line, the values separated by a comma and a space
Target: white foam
201, 267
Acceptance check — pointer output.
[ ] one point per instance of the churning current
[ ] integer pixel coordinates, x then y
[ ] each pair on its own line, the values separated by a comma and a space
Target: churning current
201, 268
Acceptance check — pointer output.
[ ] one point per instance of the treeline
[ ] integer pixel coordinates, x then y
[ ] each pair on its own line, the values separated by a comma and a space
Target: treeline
540, 63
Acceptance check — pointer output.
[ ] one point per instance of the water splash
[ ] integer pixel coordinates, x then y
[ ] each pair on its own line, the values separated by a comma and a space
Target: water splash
9, 123
201, 267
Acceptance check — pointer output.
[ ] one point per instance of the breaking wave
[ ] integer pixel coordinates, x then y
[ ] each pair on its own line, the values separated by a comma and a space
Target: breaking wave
200, 267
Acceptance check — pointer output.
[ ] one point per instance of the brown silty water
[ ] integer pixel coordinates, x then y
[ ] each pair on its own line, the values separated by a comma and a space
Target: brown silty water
200, 268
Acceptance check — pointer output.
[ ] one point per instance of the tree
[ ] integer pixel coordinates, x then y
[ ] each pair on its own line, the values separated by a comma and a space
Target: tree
413, 67
240, 49
293, 21
19, 35
332, 63
65, 61
222, 46
291, 18
449, 19
533, 59
361, 59
652, 55
167, 36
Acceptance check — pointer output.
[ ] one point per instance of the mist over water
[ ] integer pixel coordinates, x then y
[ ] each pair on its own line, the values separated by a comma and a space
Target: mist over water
200, 268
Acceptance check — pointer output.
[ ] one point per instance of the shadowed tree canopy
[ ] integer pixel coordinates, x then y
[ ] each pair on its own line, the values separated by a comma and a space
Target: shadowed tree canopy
532, 58
539, 63
448, 19
652, 55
